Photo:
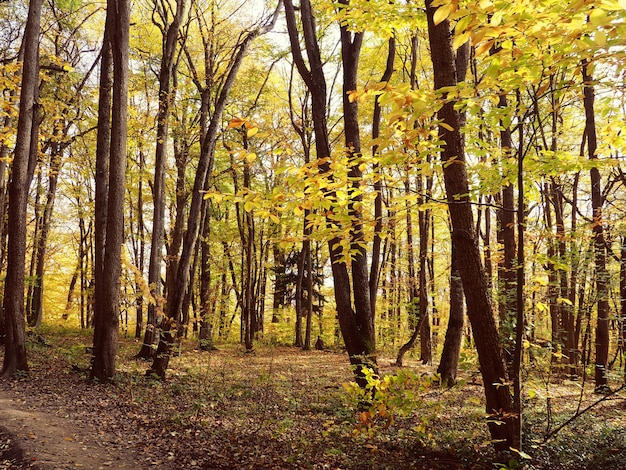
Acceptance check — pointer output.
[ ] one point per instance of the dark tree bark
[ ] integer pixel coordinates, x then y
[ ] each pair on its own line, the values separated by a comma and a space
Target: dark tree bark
622, 291
140, 252
206, 303
480, 311
279, 297
304, 280
375, 266
417, 303
108, 289
356, 318
448, 366
506, 239
599, 242
15, 358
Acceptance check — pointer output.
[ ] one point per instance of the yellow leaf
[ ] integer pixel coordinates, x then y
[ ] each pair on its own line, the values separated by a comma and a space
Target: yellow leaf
443, 12
447, 127
599, 17
250, 157
460, 39
274, 218
252, 131
599, 38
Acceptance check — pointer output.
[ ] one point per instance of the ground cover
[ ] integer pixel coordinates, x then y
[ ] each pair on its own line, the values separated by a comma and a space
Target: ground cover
278, 407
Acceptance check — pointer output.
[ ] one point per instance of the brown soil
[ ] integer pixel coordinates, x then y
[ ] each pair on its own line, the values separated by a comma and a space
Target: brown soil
45, 439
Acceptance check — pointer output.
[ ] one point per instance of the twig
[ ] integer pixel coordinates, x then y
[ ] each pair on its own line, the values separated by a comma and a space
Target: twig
551, 434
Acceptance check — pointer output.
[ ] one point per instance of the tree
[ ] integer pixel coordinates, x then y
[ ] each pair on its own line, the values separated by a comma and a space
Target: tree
352, 293
201, 182
599, 243
480, 311
21, 175
169, 31
111, 184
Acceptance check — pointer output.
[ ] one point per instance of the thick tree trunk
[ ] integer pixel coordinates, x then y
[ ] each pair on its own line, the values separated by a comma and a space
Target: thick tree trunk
480, 311
108, 290
21, 175
356, 319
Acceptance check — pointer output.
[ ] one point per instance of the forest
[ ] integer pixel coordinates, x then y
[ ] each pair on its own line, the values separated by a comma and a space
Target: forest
314, 234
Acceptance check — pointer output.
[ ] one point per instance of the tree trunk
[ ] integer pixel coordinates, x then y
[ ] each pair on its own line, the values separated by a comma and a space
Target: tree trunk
480, 311
599, 243
170, 38
506, 239
108, 289
454, 334
356, 319
24, 159
202, 179
139, 324
36, 306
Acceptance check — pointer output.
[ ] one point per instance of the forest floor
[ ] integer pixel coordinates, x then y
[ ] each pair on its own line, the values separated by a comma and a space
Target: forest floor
280, 408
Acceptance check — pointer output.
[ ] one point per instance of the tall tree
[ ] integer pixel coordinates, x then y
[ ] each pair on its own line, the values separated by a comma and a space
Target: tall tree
201, 182
480, 311
599, 243
352, 293
169, 31
111, 223
21, 176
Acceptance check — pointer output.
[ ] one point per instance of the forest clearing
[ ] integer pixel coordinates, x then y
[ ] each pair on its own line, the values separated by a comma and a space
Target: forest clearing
281, 408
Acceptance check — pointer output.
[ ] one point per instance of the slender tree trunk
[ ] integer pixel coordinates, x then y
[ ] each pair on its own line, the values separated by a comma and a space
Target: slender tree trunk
378, 184
280, 282
298, 341
622, 291
139, 324
599, 242
204, 335
36, 307
449, 363
356, 319
506, 238
202, 179
170, 38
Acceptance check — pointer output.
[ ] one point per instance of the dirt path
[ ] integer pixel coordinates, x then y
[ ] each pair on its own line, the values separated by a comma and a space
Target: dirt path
45, 440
